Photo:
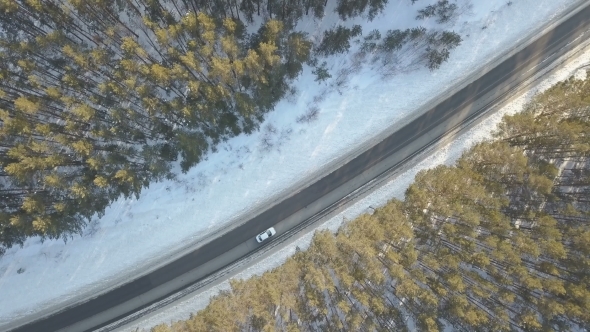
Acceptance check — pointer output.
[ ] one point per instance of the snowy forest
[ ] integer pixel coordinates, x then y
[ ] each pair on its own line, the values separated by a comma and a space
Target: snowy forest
498, 242
100, 98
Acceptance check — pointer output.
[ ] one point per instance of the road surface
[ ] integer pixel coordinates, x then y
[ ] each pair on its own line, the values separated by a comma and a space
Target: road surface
392, 151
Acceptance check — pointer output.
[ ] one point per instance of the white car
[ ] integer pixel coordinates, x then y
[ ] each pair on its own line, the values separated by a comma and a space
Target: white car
266, 234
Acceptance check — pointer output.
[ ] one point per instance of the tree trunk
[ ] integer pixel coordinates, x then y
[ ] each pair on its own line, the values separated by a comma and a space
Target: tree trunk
230, 8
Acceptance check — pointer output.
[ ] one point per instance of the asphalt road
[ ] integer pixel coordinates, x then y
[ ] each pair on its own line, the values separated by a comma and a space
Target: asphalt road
206, 260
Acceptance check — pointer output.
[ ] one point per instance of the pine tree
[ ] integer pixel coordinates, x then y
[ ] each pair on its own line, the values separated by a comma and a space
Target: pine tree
337, 40
348, 8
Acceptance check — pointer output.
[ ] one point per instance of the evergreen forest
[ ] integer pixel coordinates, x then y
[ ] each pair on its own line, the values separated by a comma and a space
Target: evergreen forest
100, 98
498, 242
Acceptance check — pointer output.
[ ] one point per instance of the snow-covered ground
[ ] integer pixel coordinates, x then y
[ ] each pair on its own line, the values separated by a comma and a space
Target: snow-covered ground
249, 172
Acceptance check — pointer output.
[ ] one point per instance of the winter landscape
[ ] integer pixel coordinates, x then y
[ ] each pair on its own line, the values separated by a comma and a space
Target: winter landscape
317, 125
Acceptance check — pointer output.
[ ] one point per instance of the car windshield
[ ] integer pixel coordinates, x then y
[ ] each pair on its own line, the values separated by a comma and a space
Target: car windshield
268, 233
